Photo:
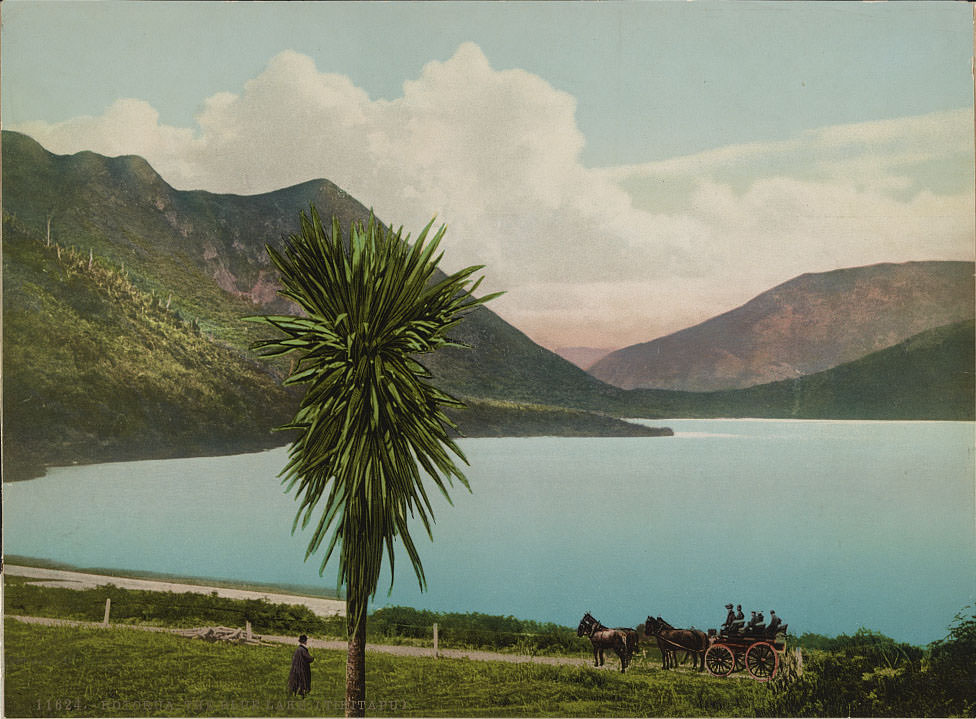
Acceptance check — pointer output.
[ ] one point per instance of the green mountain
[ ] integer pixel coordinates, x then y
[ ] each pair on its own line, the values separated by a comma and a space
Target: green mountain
205, 254
123, 338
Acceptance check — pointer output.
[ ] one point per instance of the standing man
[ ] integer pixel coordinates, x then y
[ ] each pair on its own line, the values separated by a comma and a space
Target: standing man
300, 677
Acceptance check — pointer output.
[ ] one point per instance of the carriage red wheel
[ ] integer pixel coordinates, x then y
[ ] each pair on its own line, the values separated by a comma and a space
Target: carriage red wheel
762, 661
720, 660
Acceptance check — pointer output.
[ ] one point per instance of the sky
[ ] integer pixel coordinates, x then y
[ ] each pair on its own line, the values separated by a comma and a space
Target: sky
622, 169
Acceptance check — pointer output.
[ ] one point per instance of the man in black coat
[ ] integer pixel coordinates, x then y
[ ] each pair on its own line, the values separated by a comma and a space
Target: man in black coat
300, 677
729, 618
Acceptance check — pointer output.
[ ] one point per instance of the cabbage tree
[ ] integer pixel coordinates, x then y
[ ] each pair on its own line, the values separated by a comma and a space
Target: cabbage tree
371, 429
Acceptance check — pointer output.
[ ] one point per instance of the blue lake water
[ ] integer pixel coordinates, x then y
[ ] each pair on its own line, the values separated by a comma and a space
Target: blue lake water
835, 525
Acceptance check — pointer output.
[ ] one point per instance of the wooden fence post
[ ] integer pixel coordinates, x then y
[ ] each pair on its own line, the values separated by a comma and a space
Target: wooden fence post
435, 640
247, 630
108, 609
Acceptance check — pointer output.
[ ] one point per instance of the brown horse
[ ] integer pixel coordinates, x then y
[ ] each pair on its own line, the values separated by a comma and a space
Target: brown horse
602, 637
631, 639
670, 641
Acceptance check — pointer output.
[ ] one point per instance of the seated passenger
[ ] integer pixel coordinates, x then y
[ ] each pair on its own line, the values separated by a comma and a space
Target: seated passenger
740, 621
729, 617
774, 623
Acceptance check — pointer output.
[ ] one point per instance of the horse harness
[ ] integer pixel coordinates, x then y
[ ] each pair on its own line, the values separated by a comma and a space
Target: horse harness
674, 644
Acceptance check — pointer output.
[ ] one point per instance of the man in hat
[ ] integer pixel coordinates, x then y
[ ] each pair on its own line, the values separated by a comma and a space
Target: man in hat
740, 620
774, 623
729, 618
300, 677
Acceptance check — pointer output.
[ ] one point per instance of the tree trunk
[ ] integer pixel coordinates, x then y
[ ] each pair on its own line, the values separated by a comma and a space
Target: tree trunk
356, 654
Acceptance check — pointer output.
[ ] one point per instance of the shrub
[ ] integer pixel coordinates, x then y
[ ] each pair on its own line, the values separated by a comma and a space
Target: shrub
872, 675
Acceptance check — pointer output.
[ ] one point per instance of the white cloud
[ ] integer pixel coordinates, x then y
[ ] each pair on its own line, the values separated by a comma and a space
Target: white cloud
606, 256
128, 127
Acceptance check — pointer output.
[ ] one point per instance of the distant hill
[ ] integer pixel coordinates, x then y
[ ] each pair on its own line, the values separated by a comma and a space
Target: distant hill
929, 376
806, 325
582, 357
141, 351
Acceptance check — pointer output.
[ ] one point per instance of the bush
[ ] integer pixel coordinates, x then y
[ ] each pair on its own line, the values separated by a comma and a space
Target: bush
870, 674
474, 630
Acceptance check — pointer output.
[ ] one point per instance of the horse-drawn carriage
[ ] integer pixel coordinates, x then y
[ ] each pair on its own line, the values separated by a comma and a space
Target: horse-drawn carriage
755, 650
733, 648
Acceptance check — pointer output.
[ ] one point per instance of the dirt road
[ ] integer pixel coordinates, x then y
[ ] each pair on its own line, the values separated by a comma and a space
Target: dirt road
400, 650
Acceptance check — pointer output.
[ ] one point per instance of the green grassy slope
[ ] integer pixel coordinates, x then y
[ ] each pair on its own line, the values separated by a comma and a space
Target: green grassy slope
68, 671
926, 377
95, 368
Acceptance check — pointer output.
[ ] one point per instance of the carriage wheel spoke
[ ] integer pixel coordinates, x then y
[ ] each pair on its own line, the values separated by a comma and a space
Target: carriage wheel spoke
719, 660
762, 661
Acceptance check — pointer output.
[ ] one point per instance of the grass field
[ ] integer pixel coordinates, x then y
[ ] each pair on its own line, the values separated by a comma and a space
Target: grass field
71, 671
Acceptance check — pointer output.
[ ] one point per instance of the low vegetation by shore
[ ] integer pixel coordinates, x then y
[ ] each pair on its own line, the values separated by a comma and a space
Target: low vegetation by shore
495, 418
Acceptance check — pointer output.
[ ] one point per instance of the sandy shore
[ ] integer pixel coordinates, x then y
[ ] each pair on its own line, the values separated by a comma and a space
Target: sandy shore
82, 580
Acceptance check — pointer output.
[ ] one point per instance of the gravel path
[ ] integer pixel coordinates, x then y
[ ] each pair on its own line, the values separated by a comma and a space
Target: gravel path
397, 649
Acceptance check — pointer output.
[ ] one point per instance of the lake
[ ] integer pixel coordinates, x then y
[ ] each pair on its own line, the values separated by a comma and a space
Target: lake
834, 525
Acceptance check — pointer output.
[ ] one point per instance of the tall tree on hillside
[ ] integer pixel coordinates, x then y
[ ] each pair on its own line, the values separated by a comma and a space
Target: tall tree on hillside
370, 425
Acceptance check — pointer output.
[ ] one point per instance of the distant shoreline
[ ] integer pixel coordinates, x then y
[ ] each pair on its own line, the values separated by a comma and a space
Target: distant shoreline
43, 569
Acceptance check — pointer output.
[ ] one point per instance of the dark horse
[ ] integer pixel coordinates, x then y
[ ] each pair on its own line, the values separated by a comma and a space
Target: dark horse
622, 641
670, 641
